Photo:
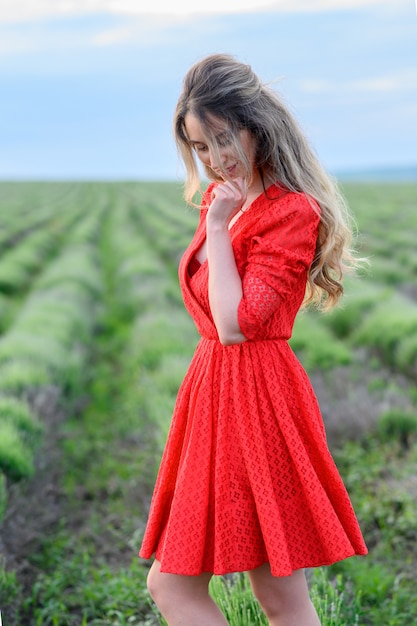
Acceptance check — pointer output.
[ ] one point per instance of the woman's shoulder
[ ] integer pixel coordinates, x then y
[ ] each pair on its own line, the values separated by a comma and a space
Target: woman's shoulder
282, 203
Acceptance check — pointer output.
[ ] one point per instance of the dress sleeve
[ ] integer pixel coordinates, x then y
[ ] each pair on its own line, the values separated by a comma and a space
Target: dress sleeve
277, 265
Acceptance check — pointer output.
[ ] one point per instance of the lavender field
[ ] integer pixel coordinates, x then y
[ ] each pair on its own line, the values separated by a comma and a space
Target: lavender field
94, 342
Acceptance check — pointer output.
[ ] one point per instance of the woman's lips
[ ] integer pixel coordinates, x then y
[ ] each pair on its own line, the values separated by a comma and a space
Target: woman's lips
230, 170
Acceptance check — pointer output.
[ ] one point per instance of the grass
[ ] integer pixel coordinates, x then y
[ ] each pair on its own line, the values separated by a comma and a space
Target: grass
19, 376
15, 456
18, 413
235, 598
387, 324
399, 425
3, 498
10, 594
20, 432
87, 590
360, 299
317, 346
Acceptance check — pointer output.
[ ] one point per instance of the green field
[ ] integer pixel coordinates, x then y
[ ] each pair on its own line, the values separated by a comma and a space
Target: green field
94, 341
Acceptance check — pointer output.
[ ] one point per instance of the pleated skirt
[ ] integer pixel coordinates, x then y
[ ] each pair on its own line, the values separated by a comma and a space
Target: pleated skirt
246, 476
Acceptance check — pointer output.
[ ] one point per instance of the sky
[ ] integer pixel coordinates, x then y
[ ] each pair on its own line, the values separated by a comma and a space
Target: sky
88, 87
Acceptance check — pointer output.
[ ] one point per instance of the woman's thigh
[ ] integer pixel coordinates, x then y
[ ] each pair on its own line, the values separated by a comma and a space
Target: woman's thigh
176, 585
278, 593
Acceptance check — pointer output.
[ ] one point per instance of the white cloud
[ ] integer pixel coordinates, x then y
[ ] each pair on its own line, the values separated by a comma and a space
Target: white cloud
405, 79
145, 30
311, 6
26, 10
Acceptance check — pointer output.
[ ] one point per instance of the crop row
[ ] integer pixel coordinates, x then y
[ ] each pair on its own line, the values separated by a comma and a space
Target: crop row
46, 340
27, 207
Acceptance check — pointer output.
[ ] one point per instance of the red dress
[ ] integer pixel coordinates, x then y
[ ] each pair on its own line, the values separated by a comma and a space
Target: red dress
246, 476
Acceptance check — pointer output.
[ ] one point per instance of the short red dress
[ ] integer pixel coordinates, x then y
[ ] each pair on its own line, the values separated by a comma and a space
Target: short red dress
246, 476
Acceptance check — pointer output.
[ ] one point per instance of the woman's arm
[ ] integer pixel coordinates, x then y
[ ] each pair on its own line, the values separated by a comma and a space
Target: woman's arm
225, 285
276, 262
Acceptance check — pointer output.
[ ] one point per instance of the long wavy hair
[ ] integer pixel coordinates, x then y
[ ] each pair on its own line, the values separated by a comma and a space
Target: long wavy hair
221, 89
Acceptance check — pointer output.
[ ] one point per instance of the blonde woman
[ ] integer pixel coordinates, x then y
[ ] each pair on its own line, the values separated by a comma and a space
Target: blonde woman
247, 482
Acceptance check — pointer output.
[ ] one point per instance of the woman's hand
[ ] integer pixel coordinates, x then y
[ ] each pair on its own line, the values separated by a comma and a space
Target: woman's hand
227, 200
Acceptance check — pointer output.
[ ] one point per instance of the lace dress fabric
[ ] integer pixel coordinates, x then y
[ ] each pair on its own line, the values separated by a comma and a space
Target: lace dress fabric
246, 476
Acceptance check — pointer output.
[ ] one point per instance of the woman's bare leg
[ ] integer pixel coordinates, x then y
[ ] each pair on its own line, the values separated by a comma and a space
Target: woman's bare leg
284, 600
184, 600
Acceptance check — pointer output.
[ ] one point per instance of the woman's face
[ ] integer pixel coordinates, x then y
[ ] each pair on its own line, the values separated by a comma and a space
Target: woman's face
226, 160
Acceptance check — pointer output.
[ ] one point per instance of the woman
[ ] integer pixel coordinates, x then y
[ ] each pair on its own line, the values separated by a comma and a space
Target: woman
247, 482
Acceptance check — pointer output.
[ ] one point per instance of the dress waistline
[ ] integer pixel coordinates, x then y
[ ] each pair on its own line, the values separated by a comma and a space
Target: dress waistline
217, 340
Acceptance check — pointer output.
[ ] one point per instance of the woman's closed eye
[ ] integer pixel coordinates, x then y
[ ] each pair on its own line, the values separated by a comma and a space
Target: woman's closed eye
200, 147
